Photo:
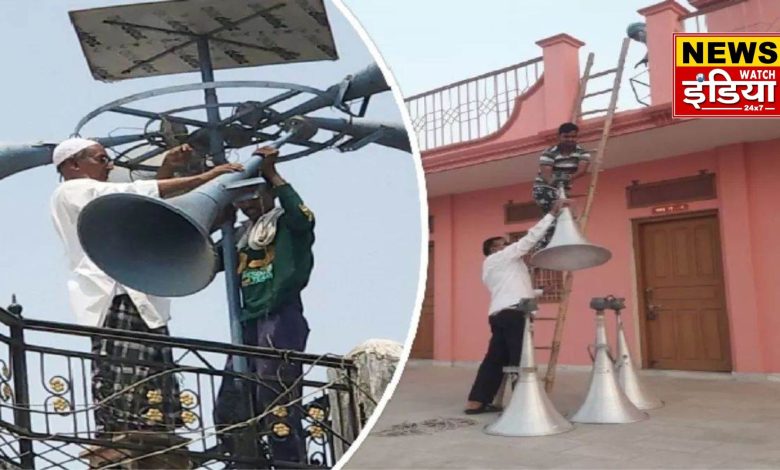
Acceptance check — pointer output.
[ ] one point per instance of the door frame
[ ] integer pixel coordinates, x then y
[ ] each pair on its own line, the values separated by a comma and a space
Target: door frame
636, 225
431, 248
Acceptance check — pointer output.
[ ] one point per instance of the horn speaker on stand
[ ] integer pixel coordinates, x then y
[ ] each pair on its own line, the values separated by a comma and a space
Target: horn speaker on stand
605, 403
627, 376
530, 412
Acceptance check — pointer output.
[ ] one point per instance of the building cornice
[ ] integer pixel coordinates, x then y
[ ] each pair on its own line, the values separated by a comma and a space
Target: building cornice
487, 150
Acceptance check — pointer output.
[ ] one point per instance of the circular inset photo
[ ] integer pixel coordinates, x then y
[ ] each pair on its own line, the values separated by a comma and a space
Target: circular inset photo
213, 233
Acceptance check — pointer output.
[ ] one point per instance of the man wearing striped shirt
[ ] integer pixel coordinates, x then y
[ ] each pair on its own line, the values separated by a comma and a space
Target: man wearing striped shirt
560, 164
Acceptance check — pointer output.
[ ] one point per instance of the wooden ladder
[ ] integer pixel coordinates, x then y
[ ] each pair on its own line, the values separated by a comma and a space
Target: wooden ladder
577, 115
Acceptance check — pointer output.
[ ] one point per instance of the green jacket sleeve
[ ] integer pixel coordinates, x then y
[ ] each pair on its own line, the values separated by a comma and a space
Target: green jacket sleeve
299, 217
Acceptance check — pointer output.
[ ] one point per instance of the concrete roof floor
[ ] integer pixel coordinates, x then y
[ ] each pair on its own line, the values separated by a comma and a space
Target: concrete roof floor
708, 421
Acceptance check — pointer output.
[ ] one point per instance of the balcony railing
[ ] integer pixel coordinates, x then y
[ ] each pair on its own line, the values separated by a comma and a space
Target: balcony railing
696, 21
471, 108
47, 411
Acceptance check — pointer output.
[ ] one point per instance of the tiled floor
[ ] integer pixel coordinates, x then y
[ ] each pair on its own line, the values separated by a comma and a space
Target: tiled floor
709, 421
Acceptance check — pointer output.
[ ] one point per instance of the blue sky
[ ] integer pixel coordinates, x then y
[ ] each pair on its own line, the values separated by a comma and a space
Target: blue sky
367, 253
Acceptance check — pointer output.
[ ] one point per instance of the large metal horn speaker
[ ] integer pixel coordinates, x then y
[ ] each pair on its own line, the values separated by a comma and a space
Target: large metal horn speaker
637, 32
530, 412
627, 375
498, 401
163, 247
605, 403
568, 249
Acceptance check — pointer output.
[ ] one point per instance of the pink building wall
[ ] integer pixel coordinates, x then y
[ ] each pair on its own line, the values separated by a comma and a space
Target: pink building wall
763, 169
746, 189
749, 15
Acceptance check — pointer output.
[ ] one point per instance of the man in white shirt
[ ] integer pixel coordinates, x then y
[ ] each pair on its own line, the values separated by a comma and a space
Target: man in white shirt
507, 278
100, 301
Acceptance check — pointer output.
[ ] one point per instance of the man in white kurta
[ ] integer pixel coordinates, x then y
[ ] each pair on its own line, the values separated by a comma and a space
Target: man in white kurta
90, 289
99, 301
507, 278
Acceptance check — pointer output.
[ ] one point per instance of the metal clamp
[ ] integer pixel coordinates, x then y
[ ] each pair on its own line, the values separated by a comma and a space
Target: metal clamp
338, 101
593, 349
599, 303
356, 144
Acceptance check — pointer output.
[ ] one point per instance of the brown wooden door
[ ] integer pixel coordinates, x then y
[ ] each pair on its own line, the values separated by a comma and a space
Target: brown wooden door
682, 295
422, 348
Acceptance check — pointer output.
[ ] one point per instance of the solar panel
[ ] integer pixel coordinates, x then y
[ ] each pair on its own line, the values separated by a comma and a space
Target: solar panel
160, 38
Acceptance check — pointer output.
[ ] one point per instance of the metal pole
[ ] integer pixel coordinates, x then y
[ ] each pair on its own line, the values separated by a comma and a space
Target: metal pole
228, 234
21, 387
246, 442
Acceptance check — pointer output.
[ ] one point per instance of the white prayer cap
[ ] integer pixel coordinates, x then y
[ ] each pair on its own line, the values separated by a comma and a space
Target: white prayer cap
70, 147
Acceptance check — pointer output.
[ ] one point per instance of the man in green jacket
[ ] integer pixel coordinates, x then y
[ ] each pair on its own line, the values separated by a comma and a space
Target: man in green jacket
275, 261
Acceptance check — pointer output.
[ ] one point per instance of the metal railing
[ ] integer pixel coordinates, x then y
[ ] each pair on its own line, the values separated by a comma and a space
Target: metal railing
471, 108
696, 21
47, 412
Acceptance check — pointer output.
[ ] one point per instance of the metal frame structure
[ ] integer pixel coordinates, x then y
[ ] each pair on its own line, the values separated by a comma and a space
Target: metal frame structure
60, 430
258, 134
336, 420
215, 126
